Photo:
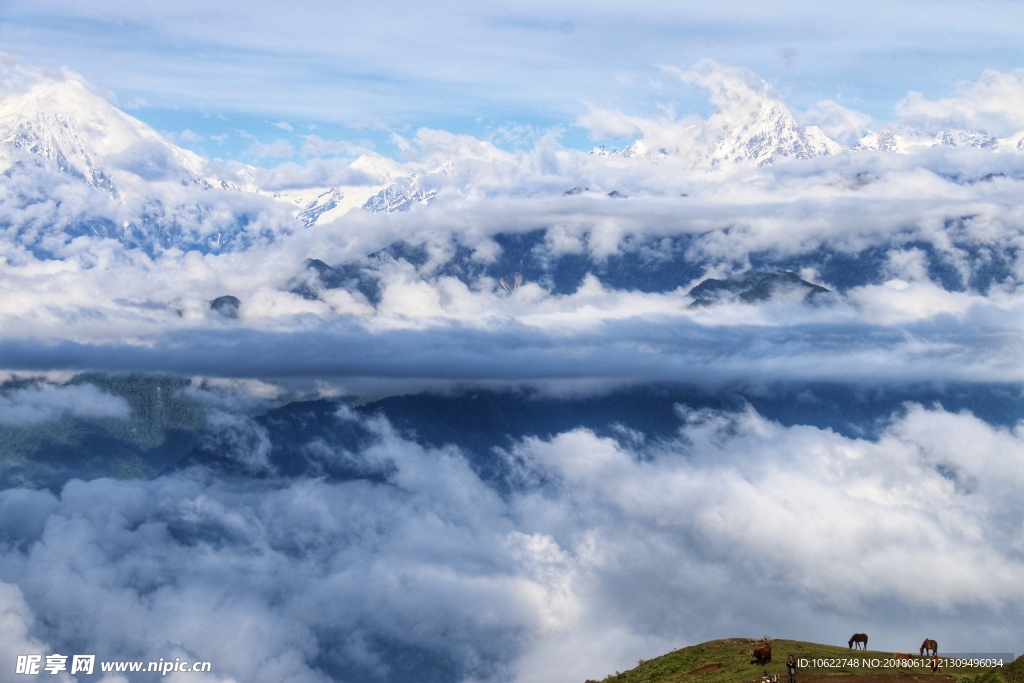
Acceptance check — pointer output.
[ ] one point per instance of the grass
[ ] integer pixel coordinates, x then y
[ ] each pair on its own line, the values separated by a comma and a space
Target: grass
734, 665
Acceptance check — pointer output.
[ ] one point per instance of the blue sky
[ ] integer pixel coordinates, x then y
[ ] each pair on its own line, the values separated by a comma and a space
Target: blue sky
232, 72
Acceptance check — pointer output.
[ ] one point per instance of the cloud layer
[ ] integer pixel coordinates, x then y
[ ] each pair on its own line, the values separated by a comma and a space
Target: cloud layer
602, 550
34, 405
922, 251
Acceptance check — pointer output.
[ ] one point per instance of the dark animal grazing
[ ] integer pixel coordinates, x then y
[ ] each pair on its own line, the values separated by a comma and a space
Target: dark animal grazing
903, 660
935, 663
929, 647
859, 638
763, 654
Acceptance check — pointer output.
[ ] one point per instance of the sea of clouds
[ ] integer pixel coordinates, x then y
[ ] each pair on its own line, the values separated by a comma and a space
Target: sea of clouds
600, 551
594, 551
103, 305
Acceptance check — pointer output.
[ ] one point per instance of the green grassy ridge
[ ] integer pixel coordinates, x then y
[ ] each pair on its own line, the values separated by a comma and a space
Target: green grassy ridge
1015, 672
160, 428
732, 656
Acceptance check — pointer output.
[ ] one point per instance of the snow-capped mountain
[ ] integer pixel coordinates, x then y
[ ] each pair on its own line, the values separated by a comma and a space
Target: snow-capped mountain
399, 197
415, 189
58, 136
1014, 142
324, 202
763, 133
63, 126
317, 206
752, 126
320, 204
76, 166
637, 149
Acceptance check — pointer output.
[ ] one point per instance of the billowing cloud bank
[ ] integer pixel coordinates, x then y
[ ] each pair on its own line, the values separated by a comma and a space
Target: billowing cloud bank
922, 249
924, 253
598, 549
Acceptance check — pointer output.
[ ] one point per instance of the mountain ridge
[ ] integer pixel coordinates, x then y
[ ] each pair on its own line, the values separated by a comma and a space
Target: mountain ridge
729, 661
63, 128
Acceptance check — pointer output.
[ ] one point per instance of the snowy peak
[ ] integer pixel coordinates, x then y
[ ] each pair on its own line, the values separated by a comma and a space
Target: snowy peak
398, 197
324, 202
640, 148
416, 189
762, 135
114, 177
903, 141
63, 126
369, 175
45, 124
752, 126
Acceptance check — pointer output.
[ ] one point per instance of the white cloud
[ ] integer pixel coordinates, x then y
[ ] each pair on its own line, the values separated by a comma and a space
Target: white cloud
518, 135
756, 522
728, 87
843, 125
604, 124
400, 142
16, 622
276, 150
444, 146
993, 105
35, 405
898, 217
318, 146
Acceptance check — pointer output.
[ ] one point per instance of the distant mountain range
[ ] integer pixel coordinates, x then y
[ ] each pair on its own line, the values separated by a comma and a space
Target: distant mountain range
169, 428
142, 190
906, 140
523, 260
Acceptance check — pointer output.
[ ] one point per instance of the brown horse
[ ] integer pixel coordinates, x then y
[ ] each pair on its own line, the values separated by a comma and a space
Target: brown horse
860, 638
903, 660
763, 654
929, 647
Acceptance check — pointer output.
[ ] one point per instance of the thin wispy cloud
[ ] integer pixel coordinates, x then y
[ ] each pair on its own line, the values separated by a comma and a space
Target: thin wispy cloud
454, 64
